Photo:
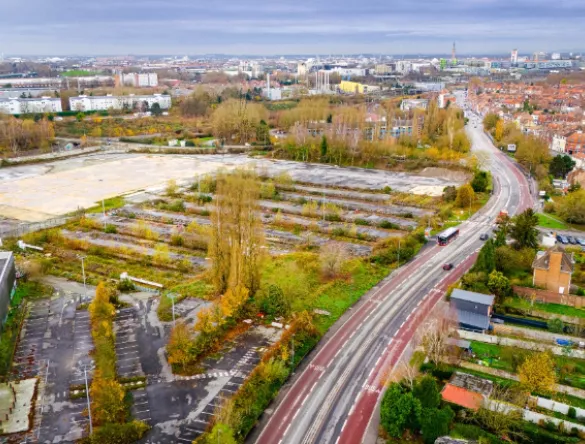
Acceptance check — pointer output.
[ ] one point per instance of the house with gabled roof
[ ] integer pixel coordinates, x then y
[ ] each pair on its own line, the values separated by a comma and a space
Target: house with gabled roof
553, 269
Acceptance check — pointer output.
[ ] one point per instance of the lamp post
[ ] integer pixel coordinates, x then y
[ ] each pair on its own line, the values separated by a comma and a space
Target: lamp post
83, 272
88, 403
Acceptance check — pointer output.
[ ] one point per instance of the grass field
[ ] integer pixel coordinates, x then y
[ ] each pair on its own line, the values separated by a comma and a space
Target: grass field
559, 309
79, 73
547, 221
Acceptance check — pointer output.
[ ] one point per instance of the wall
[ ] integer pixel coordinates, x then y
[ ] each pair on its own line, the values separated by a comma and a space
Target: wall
553, 278
6, 286
550, 296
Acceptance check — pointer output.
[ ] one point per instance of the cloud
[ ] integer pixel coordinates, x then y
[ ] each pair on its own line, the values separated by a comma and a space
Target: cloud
278, 27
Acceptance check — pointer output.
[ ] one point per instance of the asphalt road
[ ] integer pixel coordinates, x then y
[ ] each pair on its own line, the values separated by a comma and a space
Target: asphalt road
332, 399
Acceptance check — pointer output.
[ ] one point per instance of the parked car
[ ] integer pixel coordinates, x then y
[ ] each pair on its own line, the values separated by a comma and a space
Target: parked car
581, 241
447, 267
564, 240
571, 240
564, 342
484, 237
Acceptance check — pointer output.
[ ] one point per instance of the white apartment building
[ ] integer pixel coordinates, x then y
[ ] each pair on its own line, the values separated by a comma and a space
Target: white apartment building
559, 143
138, 80
130, 102
30, 106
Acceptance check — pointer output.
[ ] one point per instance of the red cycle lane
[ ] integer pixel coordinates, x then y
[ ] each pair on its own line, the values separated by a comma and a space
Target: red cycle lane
278, 424
359, 417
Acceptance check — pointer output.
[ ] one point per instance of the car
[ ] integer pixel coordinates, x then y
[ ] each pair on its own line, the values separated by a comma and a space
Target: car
447, 267
581, 241
564, 240
571, 240
484, 237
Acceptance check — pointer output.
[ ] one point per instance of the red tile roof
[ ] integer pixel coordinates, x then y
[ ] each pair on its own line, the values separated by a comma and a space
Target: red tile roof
462, 397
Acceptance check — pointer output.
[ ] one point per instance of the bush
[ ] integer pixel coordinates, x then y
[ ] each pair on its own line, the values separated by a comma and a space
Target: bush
556, 325
388, 225
111, 229
359, 221
572, 413
119, 433
126, 285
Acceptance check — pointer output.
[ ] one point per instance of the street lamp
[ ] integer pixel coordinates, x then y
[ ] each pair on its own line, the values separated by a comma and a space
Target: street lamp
83, 272
88, 403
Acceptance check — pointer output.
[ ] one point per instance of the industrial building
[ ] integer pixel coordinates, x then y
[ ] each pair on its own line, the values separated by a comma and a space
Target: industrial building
129, 102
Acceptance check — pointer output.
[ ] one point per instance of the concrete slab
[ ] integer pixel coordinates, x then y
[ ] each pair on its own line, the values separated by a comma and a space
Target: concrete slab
16, 402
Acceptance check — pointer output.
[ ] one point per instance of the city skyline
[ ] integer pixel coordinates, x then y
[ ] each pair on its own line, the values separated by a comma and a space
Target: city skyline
179, 27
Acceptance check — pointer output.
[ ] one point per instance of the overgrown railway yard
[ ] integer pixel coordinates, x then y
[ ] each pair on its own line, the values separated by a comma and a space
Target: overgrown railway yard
331, 234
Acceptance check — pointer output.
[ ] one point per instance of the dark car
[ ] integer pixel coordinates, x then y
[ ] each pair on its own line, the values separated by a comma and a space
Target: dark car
571, 240
484, 237
447, 267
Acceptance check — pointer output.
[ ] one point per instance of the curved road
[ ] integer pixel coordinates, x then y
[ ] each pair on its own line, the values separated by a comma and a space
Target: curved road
333, 399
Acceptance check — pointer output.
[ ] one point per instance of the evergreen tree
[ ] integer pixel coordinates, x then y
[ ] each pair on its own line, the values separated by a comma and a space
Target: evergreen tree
324, 148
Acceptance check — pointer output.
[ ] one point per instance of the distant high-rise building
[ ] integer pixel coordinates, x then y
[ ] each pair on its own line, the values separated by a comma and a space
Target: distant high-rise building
555, 56
514, 56
453, 54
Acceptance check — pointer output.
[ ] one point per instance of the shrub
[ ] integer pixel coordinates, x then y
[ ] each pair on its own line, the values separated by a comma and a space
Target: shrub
111, 229
126, 285
361, 222
388, 225
572, 413
119, 433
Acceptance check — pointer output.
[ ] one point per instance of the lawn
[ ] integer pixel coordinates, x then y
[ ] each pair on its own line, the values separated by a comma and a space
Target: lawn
558, 309
547, 221
79, 73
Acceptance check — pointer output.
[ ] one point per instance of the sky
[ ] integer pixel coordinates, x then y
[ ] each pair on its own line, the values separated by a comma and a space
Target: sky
276, 27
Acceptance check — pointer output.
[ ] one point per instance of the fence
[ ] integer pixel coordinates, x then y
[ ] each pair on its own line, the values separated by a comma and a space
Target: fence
25, 228
549, 296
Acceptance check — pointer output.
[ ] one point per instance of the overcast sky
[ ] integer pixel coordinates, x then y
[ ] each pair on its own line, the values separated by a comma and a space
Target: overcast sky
289, 27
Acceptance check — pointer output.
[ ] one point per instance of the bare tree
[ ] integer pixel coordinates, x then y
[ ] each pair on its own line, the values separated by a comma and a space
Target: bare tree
502, 411
435, 332
333, 255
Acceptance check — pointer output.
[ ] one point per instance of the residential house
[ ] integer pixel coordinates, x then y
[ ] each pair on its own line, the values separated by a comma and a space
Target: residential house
473, 309
577, 176
559, 143
467, 390
575, 143
7, 283
553, 270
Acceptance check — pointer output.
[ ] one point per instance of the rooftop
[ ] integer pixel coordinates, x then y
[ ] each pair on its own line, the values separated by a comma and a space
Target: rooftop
478, 298
472, 383
542, 261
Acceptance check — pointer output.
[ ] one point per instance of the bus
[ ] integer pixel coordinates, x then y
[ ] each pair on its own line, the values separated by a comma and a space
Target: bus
448, 235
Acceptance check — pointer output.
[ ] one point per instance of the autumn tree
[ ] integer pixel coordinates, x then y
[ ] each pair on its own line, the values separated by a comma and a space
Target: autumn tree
179, 345
499, 284
237, 119
572, 207
499, 131
537, 373
236, 240
465, 196
107, 399
233, 301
